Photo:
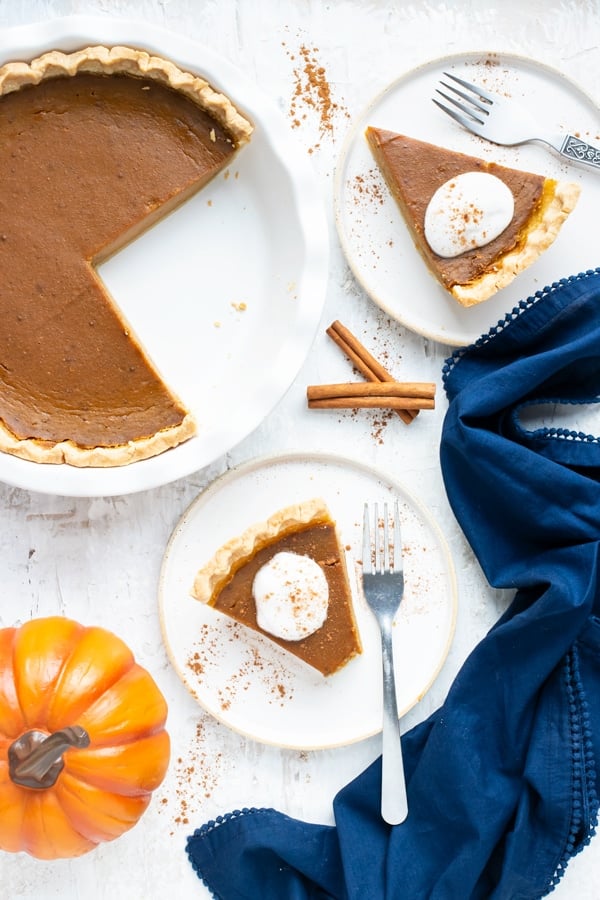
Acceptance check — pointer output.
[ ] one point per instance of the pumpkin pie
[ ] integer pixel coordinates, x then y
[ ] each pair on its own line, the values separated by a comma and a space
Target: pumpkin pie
95, 147
286, 578
514, 215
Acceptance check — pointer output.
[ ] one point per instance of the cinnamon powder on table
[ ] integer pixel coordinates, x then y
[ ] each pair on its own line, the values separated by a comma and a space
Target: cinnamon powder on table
196, 776
312, 92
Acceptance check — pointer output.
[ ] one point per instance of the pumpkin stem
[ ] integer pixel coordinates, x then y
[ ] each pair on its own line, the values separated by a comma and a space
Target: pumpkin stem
35, 759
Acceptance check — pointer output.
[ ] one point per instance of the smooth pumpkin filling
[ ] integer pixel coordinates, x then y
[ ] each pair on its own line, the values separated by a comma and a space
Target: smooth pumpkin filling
87, 163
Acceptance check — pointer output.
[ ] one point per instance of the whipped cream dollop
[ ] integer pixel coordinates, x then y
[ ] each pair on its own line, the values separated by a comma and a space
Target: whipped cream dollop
291, 596
467, 211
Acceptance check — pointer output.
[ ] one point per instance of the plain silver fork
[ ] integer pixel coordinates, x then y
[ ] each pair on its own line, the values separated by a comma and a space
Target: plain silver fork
383, 584
506, 122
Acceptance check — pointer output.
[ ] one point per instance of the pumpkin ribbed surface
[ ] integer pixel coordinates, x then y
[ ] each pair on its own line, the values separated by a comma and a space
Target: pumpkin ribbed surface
56, 674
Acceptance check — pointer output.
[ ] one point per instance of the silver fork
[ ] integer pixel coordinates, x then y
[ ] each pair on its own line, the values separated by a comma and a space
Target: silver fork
506, 122
383, 585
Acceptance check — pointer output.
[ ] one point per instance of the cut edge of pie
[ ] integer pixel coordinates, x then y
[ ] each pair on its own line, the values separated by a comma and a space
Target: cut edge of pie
557, 201
136, 63
235, 553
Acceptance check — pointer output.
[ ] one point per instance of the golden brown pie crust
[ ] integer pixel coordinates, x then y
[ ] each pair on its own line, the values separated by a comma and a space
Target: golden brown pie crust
47, 253
414, 170
225, 582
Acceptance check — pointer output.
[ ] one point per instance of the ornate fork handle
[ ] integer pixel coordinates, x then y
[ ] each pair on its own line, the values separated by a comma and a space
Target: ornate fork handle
504, 122
394, 804
575, 148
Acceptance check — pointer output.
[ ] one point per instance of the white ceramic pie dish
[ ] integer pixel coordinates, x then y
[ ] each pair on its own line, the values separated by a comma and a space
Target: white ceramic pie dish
225, 293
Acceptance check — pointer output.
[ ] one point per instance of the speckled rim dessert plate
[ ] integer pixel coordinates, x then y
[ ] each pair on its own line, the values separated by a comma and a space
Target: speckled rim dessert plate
372, 232
249, 683
200, 287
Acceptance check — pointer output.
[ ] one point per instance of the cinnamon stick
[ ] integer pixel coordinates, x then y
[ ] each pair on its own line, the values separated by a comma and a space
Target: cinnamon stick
407, 389
396, 403
388, 395
362, 360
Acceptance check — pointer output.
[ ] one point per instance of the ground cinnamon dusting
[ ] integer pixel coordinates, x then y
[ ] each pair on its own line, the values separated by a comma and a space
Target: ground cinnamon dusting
369, 186
271, 675
196, 776
367, 194
312, 92
379, 424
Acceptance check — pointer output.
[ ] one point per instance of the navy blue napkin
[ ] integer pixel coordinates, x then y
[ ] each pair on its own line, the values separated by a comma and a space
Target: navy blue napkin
502, 778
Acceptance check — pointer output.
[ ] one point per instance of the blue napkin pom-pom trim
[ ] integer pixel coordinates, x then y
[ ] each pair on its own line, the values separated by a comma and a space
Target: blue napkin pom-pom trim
515, 313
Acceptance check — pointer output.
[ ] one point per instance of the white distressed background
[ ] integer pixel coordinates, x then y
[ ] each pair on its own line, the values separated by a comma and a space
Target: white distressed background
98, 560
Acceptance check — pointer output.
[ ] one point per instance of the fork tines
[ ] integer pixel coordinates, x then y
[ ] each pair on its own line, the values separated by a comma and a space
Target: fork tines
473, 88
379, 554
477, 101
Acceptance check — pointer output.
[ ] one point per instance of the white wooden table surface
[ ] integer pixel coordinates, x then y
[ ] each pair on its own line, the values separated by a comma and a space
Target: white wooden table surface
98, 559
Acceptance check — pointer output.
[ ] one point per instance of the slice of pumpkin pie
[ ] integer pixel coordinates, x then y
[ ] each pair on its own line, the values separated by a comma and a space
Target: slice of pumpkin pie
476, 224
286, 578
95, 146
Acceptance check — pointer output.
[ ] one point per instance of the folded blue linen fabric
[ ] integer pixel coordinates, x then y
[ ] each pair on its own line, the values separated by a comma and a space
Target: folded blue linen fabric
502, 778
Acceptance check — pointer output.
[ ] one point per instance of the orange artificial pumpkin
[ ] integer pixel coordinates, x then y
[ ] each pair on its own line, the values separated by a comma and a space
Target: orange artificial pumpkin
82, 738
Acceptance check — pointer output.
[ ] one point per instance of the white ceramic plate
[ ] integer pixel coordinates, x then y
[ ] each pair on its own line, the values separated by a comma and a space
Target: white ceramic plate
257, 237
256, 687
375, 239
